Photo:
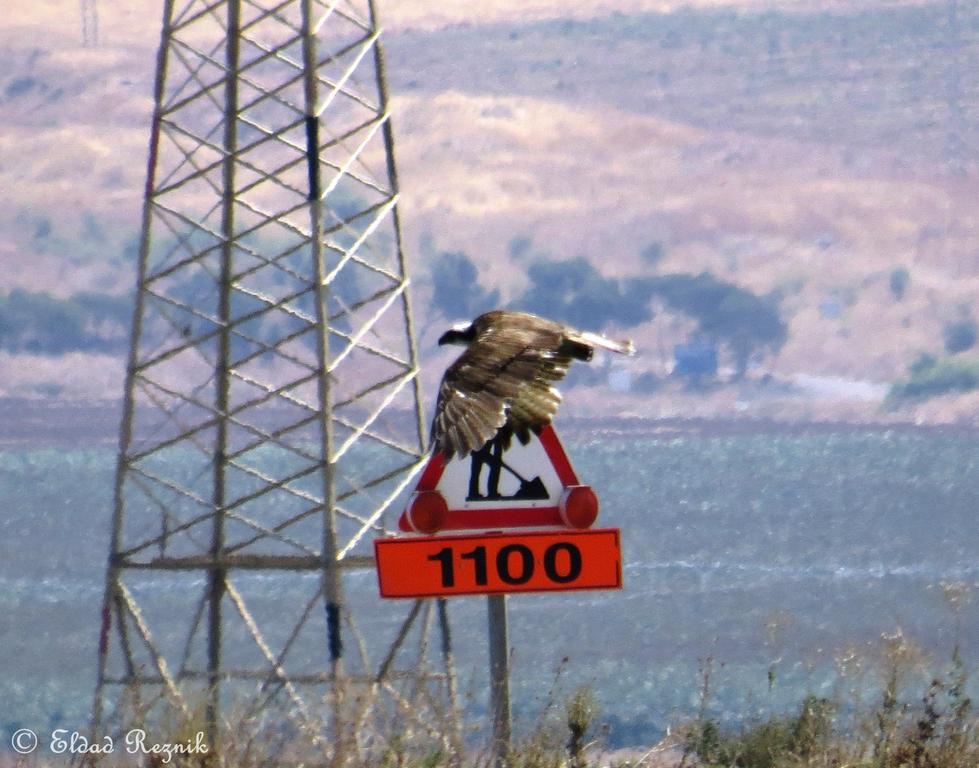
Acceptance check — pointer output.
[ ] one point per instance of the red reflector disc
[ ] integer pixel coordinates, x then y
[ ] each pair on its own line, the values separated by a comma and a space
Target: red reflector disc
579, 506
427, 511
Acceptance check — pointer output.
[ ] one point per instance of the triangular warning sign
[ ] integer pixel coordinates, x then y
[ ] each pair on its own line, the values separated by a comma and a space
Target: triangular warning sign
529, 485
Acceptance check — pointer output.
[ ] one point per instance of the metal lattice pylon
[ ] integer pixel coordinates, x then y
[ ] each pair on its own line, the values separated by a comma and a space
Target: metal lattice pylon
90, 23
272, 406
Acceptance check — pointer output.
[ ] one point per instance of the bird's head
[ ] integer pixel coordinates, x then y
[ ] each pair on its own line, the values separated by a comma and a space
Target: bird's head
460, 333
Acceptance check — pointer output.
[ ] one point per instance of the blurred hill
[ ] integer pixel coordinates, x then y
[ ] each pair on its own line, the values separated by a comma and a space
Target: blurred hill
822, 158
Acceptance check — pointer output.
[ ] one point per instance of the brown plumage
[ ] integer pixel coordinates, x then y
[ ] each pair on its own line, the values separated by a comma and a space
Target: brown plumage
503, 381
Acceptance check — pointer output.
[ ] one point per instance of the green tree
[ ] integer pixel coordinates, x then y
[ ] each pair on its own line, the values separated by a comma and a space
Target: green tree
574, 292
44, 324
457, 293
653, 253
960, 335
930, 377
899, 281
39, 322
745, 322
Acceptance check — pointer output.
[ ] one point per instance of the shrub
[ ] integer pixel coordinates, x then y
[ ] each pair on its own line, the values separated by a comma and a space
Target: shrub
653, 253
900, 279
519, 246
44, 324
960, 336
930, 377
580, 710
777, 741
922, 363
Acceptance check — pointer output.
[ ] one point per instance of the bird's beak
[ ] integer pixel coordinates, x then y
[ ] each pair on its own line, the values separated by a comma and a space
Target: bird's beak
461, 333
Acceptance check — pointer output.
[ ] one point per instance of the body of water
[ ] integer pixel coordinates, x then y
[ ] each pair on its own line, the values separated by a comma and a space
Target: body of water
776, 555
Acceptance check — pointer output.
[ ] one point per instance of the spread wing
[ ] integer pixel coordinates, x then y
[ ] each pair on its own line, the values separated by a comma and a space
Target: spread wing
503, 378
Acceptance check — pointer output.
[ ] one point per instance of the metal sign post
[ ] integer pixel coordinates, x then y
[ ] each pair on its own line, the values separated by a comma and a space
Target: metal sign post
499, 668
527, 486
495, 564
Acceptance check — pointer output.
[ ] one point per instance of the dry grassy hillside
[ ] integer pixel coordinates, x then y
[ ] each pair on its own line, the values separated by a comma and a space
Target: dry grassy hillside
128, 22
807, 164
775, 217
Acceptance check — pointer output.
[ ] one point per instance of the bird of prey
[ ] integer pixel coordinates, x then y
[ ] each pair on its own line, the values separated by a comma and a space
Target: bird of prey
502, 384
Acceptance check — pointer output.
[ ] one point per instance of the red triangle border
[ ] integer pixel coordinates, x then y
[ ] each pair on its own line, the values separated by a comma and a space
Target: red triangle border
499, 517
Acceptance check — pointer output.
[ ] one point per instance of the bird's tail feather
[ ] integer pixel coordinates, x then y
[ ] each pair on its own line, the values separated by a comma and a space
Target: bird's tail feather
624, 347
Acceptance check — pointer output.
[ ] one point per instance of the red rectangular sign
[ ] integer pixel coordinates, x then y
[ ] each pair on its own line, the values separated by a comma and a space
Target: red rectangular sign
493, 563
